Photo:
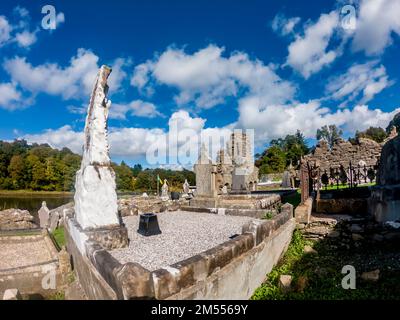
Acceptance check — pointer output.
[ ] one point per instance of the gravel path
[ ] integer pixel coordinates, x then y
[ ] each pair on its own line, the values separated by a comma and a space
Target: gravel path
184, 234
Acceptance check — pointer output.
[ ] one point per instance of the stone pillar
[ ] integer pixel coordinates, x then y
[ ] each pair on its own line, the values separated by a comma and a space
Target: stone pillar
205, 175
96, 209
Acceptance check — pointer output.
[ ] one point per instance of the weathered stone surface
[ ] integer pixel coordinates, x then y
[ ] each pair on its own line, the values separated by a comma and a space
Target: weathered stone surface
371, 275
205, 175
54, 219
342, 152
389, 165
95, 195
44, 215
12, 294
384, 203
16, 219
64, 262
136, 282
309, 249
285, 282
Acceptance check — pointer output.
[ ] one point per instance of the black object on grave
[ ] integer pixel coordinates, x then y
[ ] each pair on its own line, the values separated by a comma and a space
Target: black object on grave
148, 224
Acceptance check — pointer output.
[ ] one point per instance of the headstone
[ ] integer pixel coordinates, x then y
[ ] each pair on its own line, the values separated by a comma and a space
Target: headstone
145, 195
44, 215
205, 174
54, 219
12, 294
286, 183
96, 207
164, 191
186, 186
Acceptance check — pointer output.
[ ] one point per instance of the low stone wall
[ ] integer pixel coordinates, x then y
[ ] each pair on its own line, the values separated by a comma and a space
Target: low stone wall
232, 270
245, 202
347, 201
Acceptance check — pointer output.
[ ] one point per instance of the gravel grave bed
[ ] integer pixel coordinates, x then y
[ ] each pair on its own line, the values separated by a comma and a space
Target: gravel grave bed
22, 254
184, 234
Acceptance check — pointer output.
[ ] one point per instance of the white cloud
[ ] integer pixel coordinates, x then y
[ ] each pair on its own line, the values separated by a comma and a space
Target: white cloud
207, 78
274, 121
308, 53
17, 32
284, 26
135, 142
21, 11
376, 23
77, 109
361, 81
25, 38
74, 81
5, 30
9, 96
60, 18
59, 138
137, 108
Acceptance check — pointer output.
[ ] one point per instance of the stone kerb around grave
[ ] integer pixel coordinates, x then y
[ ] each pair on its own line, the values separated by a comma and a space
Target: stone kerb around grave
132, 281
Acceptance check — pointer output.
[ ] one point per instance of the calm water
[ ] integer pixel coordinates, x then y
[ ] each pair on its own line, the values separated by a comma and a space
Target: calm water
33, 202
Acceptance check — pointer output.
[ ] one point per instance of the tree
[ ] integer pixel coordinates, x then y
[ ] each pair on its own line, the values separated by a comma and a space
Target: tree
329, 133
16, 170
374, 133
293, 145
137, 168
274, 161
124, 176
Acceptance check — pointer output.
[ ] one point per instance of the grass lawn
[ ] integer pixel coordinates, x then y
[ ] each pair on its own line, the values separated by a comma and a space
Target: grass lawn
322, 275
59, 236
346, 186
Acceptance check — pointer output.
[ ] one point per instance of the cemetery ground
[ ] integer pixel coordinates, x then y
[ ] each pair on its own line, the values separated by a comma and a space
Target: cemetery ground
316, 274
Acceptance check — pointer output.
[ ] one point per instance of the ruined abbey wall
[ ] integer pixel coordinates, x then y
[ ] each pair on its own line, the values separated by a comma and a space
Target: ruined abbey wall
344, 152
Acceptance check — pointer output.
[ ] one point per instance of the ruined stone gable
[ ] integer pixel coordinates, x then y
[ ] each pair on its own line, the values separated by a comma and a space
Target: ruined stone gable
344, 152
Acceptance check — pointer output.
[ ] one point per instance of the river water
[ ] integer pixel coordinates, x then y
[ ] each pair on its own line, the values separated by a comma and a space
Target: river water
33, 202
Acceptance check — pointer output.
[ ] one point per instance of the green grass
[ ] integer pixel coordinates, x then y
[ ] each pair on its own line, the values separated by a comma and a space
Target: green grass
346, 186
57, 296
268, 215
323, 271
59, 236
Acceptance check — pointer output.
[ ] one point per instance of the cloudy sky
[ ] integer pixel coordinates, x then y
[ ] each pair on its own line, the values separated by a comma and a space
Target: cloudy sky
210, 66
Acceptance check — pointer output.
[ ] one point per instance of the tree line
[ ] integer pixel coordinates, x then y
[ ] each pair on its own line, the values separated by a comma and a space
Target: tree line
40, 167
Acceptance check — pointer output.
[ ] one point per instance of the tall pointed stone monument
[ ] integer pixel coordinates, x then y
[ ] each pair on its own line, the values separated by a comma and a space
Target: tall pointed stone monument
96, 209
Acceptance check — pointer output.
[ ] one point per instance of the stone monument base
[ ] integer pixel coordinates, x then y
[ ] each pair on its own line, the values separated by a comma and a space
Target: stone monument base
204, 202
109, 237
384, 203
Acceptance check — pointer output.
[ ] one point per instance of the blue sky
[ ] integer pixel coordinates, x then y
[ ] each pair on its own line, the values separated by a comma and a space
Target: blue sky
211, 66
